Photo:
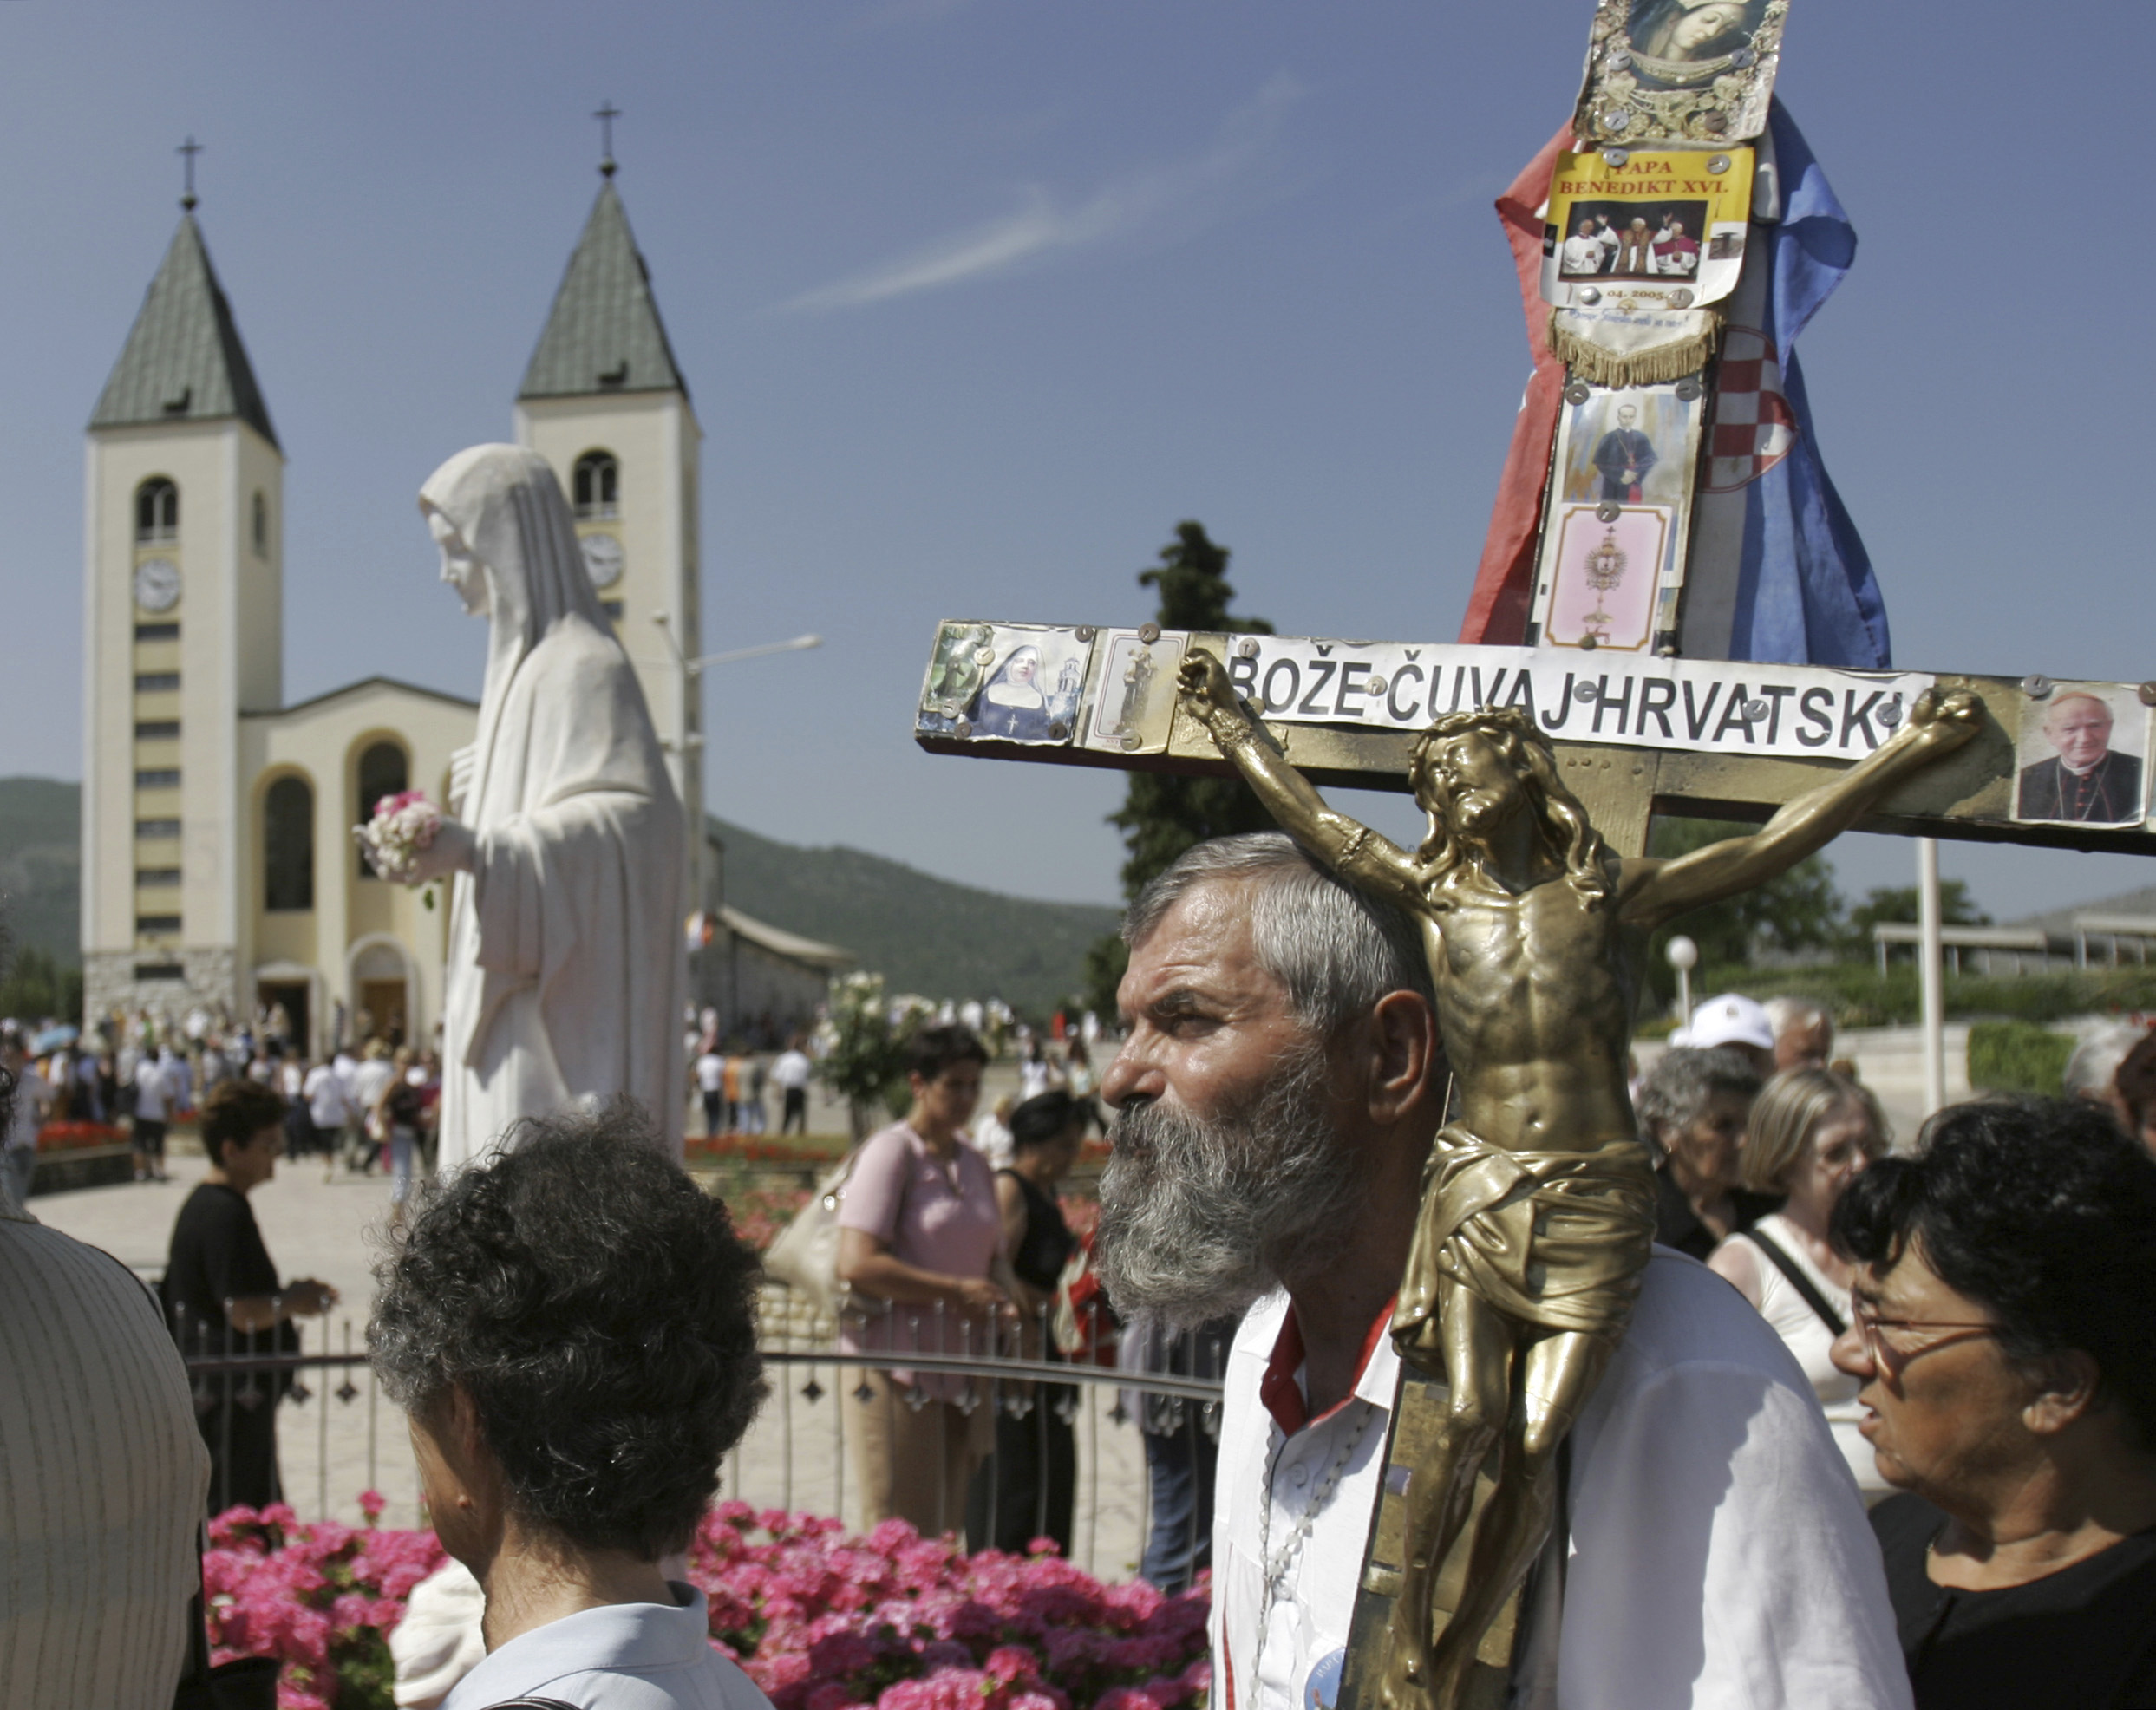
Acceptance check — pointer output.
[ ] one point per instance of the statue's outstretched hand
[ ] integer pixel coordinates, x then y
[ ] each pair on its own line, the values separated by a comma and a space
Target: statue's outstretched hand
454, 850
1206, 691
1942, 722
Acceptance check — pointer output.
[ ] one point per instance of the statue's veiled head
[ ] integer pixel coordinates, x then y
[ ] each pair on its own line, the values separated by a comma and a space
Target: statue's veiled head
508, 545
1472, 772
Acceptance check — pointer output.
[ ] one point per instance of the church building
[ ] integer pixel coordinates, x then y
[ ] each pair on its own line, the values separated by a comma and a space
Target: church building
219, 873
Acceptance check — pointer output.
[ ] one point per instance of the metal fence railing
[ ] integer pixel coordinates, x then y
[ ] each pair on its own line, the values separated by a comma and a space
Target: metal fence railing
337, 1436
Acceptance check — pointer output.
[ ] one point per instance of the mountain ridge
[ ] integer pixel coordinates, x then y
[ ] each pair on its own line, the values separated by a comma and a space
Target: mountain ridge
934, 936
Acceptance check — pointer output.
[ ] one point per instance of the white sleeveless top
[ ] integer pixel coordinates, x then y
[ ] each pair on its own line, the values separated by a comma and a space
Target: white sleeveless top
1806, 1335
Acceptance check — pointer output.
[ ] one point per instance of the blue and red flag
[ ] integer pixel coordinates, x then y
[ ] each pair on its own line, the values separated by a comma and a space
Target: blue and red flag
1799, 588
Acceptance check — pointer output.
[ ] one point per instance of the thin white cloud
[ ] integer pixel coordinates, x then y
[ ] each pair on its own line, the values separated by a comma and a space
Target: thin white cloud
1193, 190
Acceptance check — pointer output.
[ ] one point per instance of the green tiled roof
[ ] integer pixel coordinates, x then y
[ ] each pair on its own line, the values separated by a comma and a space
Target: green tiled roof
184, 361
603, 334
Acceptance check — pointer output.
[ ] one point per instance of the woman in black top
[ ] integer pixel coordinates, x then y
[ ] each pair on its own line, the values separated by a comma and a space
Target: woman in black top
221, 1294
2008, 1353
1025, 1490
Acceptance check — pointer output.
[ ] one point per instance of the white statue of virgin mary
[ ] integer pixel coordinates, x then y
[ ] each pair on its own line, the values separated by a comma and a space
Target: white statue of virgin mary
566, 970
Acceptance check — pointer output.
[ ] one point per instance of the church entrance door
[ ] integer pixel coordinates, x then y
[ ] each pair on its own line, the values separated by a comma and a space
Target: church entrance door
293, 995
383, 1000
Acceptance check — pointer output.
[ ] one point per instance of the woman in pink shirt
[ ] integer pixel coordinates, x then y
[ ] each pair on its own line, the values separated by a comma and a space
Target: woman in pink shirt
920, 1240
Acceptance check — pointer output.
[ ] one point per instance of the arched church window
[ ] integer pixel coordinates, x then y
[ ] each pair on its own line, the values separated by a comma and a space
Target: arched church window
596, 485
261, 526
156, 510
383, 771
287, 845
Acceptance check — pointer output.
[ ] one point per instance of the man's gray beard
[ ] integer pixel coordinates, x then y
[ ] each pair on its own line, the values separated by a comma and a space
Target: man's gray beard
1199, 1216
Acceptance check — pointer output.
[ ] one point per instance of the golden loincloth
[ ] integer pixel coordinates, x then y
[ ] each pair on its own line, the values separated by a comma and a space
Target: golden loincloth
1557, 1239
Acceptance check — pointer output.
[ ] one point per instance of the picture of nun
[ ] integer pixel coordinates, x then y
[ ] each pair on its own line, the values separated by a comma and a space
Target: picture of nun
1017, 705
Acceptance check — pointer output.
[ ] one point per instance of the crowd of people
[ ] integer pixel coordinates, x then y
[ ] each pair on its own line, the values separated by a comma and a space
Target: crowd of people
368, 1105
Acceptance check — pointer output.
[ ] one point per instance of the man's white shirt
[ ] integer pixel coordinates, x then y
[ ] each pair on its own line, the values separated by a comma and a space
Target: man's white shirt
1719, 1554
325, 1094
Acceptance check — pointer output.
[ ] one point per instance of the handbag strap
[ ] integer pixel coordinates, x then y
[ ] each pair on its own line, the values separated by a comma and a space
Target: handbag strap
1803, 1284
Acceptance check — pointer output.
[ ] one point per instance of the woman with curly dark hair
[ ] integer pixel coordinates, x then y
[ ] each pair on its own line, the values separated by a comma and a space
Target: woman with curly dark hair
571, 1330
2005, 1342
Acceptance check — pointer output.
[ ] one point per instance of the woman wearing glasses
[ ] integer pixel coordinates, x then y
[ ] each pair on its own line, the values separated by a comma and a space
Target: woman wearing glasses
2006, 1345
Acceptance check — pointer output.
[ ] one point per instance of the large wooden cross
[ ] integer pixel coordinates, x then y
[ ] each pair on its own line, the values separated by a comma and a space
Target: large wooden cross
1635, 734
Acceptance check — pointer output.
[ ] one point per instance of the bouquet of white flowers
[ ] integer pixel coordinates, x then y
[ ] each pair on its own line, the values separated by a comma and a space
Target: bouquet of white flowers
403, 825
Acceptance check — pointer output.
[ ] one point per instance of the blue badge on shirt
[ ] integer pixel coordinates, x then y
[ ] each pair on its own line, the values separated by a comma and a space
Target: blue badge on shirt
1321, 1687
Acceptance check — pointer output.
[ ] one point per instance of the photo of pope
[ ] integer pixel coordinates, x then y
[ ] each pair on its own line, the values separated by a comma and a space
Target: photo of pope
2086, 781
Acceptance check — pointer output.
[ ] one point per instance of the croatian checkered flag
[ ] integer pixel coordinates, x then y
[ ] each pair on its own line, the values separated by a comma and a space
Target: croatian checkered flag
1774, 547
1776, 571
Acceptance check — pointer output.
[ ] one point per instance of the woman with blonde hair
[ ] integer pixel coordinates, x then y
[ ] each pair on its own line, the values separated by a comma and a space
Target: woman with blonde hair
1812, 1133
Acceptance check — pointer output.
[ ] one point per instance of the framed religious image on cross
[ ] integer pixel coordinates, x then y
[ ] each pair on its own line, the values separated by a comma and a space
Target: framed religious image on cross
1612, 564
1661, 71
2083, 756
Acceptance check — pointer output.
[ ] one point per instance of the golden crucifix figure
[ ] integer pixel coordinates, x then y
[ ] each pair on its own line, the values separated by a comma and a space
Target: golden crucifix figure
1538, 1205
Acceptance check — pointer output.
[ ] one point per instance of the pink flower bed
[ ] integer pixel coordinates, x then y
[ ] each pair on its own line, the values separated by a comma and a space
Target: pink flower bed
323, 1596
821, 1619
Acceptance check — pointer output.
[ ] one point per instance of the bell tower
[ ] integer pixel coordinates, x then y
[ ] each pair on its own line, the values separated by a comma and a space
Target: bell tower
182, 633
603, 402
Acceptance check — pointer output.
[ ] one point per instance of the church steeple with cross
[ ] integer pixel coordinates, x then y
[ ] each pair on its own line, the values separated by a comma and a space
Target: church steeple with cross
603, 400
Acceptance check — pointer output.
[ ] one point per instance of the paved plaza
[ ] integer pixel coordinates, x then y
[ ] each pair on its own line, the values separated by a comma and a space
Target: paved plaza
344, 1438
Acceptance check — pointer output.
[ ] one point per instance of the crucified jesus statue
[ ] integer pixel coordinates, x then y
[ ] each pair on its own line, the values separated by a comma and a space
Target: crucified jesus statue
1537, 1208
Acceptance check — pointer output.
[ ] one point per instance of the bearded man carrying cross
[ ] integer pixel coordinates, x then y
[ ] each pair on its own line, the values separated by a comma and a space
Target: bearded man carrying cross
1536, 1220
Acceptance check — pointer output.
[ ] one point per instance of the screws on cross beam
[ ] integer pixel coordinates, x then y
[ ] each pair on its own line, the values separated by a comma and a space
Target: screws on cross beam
1247, 649
1688, 389
1084, 632
2035, 686
1609, 511
1132, 742
1058, 731
2148, 694
1148, 633
1578, 393
964, 728
1588, 295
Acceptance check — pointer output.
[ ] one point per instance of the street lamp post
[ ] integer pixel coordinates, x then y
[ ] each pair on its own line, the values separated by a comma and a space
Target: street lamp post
1683, 956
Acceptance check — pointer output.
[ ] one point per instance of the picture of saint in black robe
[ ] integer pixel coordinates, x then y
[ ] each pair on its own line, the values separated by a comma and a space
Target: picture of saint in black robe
1015, 703
2088, 782
1622, 457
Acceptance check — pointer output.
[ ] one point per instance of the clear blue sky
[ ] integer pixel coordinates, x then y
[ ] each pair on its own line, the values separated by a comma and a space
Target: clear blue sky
978, 297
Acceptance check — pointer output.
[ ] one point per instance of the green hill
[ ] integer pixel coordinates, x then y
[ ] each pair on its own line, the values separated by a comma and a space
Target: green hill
41, 835
924, 933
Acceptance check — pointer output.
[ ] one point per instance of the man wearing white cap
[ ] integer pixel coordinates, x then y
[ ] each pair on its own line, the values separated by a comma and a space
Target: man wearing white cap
1734, 1023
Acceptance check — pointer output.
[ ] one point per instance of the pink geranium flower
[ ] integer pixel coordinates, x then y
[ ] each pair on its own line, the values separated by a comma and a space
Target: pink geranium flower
821, 1618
